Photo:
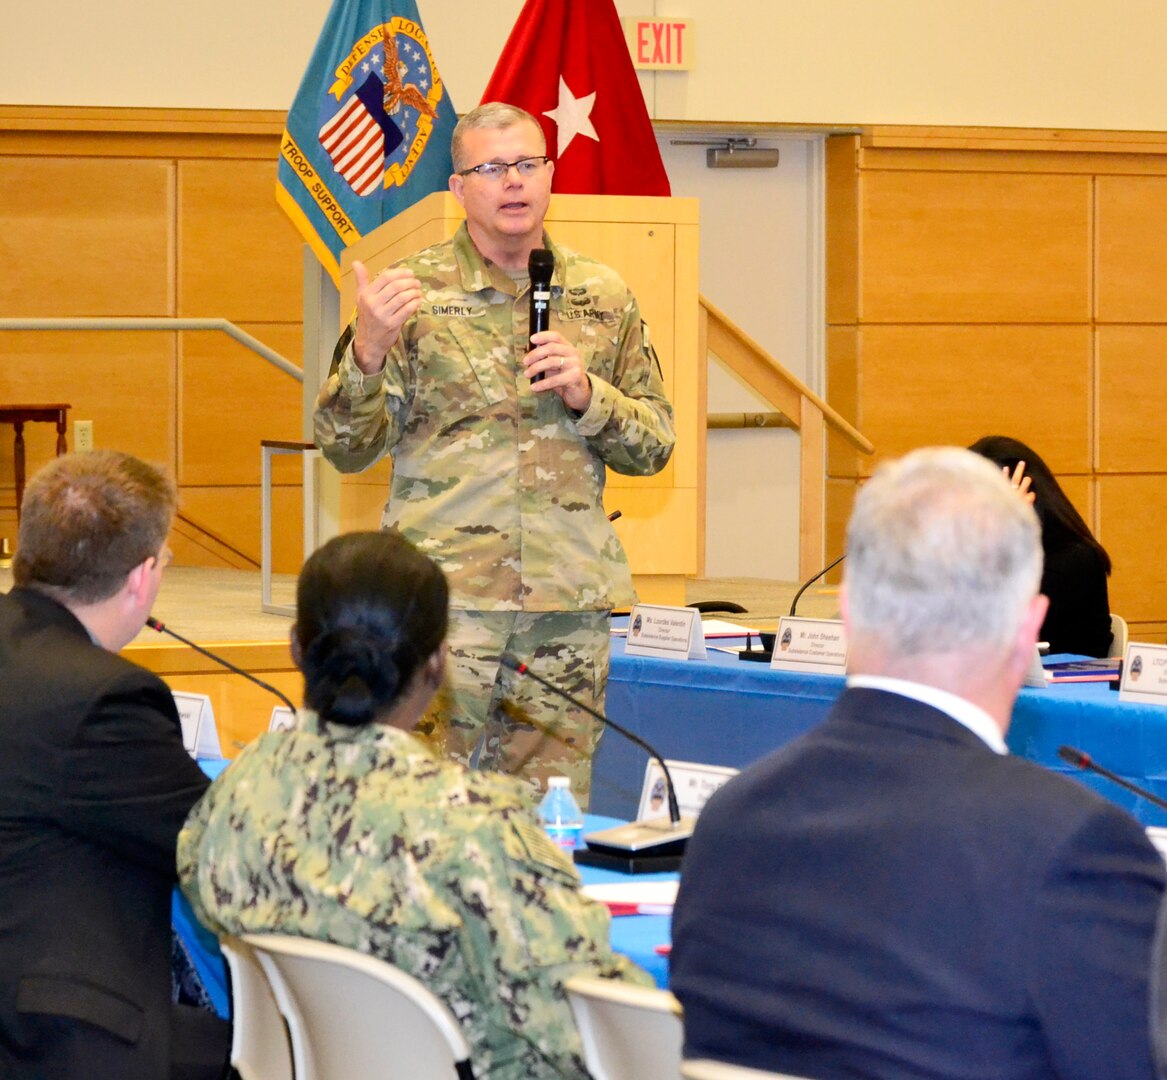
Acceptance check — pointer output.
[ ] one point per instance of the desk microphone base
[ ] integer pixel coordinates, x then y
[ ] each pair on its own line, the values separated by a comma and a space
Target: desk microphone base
641, 847
628, 862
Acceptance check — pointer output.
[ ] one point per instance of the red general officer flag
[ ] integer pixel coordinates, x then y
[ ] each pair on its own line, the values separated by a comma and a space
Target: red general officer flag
566, 63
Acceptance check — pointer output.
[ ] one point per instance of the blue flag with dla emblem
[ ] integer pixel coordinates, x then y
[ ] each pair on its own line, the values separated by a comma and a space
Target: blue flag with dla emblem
368, 133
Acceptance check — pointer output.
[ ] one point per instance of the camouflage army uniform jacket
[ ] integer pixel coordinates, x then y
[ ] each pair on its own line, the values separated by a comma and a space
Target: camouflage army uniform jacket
501, 486
363, 838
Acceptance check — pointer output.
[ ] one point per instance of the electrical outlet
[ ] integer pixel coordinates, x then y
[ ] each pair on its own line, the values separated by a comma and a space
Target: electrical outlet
82, 435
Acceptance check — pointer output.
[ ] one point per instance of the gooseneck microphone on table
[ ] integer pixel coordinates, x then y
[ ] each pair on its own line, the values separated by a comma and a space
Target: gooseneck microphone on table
810, 581
1082, 760
766, 654
640, 846
540, 267
162, 628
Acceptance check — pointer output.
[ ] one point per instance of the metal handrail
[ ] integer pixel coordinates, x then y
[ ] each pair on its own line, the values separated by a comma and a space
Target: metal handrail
161, 323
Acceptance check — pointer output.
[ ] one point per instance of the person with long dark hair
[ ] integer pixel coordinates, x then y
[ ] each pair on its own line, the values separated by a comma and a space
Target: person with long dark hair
349, 829
1076, 564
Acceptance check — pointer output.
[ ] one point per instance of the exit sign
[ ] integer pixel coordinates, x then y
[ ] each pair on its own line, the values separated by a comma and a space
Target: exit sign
659, 44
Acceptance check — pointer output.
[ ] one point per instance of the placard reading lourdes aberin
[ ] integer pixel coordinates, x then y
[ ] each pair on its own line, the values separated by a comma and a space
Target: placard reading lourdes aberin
671, 633
810, 645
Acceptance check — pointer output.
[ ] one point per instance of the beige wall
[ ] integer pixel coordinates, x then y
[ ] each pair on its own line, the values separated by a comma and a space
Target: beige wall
1075, 63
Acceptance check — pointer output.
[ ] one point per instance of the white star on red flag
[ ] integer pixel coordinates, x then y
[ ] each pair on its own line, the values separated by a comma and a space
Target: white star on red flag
572, 116
558, 45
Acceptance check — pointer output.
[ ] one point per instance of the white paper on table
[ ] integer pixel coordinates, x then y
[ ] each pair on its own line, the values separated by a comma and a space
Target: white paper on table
719, 628
654, 897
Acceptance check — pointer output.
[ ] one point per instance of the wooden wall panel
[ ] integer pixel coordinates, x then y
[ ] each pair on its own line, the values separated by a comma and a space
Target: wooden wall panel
1130, 527
81, 236
843, 393
155, 213
842, 200
928, 385
124, 383
1132, 398
1132, 248
231, 400
239, 255
974, 248
840, 499
967, 242
232, 514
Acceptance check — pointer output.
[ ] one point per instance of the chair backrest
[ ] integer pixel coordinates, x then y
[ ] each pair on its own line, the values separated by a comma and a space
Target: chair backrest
352, 1015
1119, 635
260, 1048
628, 1032
702, 1069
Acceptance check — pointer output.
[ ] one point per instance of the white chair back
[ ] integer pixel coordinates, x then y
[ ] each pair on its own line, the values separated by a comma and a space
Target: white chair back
260, 1048
628, 1032
703, 1069
1119, 635
351, 1015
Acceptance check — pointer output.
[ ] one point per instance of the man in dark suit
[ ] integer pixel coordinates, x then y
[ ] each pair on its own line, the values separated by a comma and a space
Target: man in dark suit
94, 787
892, 894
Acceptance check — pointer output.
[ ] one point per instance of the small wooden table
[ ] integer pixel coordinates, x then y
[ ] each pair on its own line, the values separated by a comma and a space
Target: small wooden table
18, 416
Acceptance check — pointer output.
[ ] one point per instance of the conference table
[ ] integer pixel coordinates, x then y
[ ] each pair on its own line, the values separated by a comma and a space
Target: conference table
723, 711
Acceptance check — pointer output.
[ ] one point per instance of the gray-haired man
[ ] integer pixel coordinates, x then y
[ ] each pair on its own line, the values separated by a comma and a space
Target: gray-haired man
893, 895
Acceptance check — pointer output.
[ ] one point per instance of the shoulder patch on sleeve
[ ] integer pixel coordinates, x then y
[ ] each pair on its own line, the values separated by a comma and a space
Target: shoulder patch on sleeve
538, 848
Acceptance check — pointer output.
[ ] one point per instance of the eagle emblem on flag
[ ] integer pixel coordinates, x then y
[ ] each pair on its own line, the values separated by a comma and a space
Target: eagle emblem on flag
388, 89
368, 133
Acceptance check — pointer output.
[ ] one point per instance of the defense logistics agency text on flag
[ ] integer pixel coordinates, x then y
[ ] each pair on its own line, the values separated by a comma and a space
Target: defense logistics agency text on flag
369, 131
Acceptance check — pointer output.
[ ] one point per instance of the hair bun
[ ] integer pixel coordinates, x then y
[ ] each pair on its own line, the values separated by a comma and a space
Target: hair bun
350, 673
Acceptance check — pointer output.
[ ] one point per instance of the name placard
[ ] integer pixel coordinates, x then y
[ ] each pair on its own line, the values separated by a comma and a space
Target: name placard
816, 645
200, 736
1035, 676
668, 633
694, 783
1144, 674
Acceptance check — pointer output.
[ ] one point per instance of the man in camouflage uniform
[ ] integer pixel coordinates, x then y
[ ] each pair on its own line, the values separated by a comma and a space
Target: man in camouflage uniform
460, 887
498, 478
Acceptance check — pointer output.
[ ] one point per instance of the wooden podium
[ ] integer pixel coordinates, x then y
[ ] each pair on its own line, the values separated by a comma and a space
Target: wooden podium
652, 244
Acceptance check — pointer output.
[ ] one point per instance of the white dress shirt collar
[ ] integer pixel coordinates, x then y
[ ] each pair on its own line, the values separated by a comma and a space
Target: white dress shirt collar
979, 722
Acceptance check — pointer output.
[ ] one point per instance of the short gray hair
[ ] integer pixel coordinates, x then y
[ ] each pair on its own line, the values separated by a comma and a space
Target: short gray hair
493, 116
941, 555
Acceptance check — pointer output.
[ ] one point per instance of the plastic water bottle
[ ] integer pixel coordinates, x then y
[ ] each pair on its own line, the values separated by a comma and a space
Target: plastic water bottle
561, 814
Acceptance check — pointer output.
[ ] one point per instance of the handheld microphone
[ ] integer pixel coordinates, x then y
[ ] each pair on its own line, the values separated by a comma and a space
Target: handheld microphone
641, 846
162, 628
540, 266
1084, 761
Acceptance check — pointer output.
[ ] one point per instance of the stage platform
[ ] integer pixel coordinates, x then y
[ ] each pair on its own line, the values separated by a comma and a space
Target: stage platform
220, 609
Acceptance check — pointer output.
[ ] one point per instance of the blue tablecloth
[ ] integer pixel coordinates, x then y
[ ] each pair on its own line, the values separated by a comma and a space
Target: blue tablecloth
636, 936
722, 711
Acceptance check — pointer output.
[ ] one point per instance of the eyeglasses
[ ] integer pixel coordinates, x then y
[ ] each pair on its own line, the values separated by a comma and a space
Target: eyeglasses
496, 170
162, 559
